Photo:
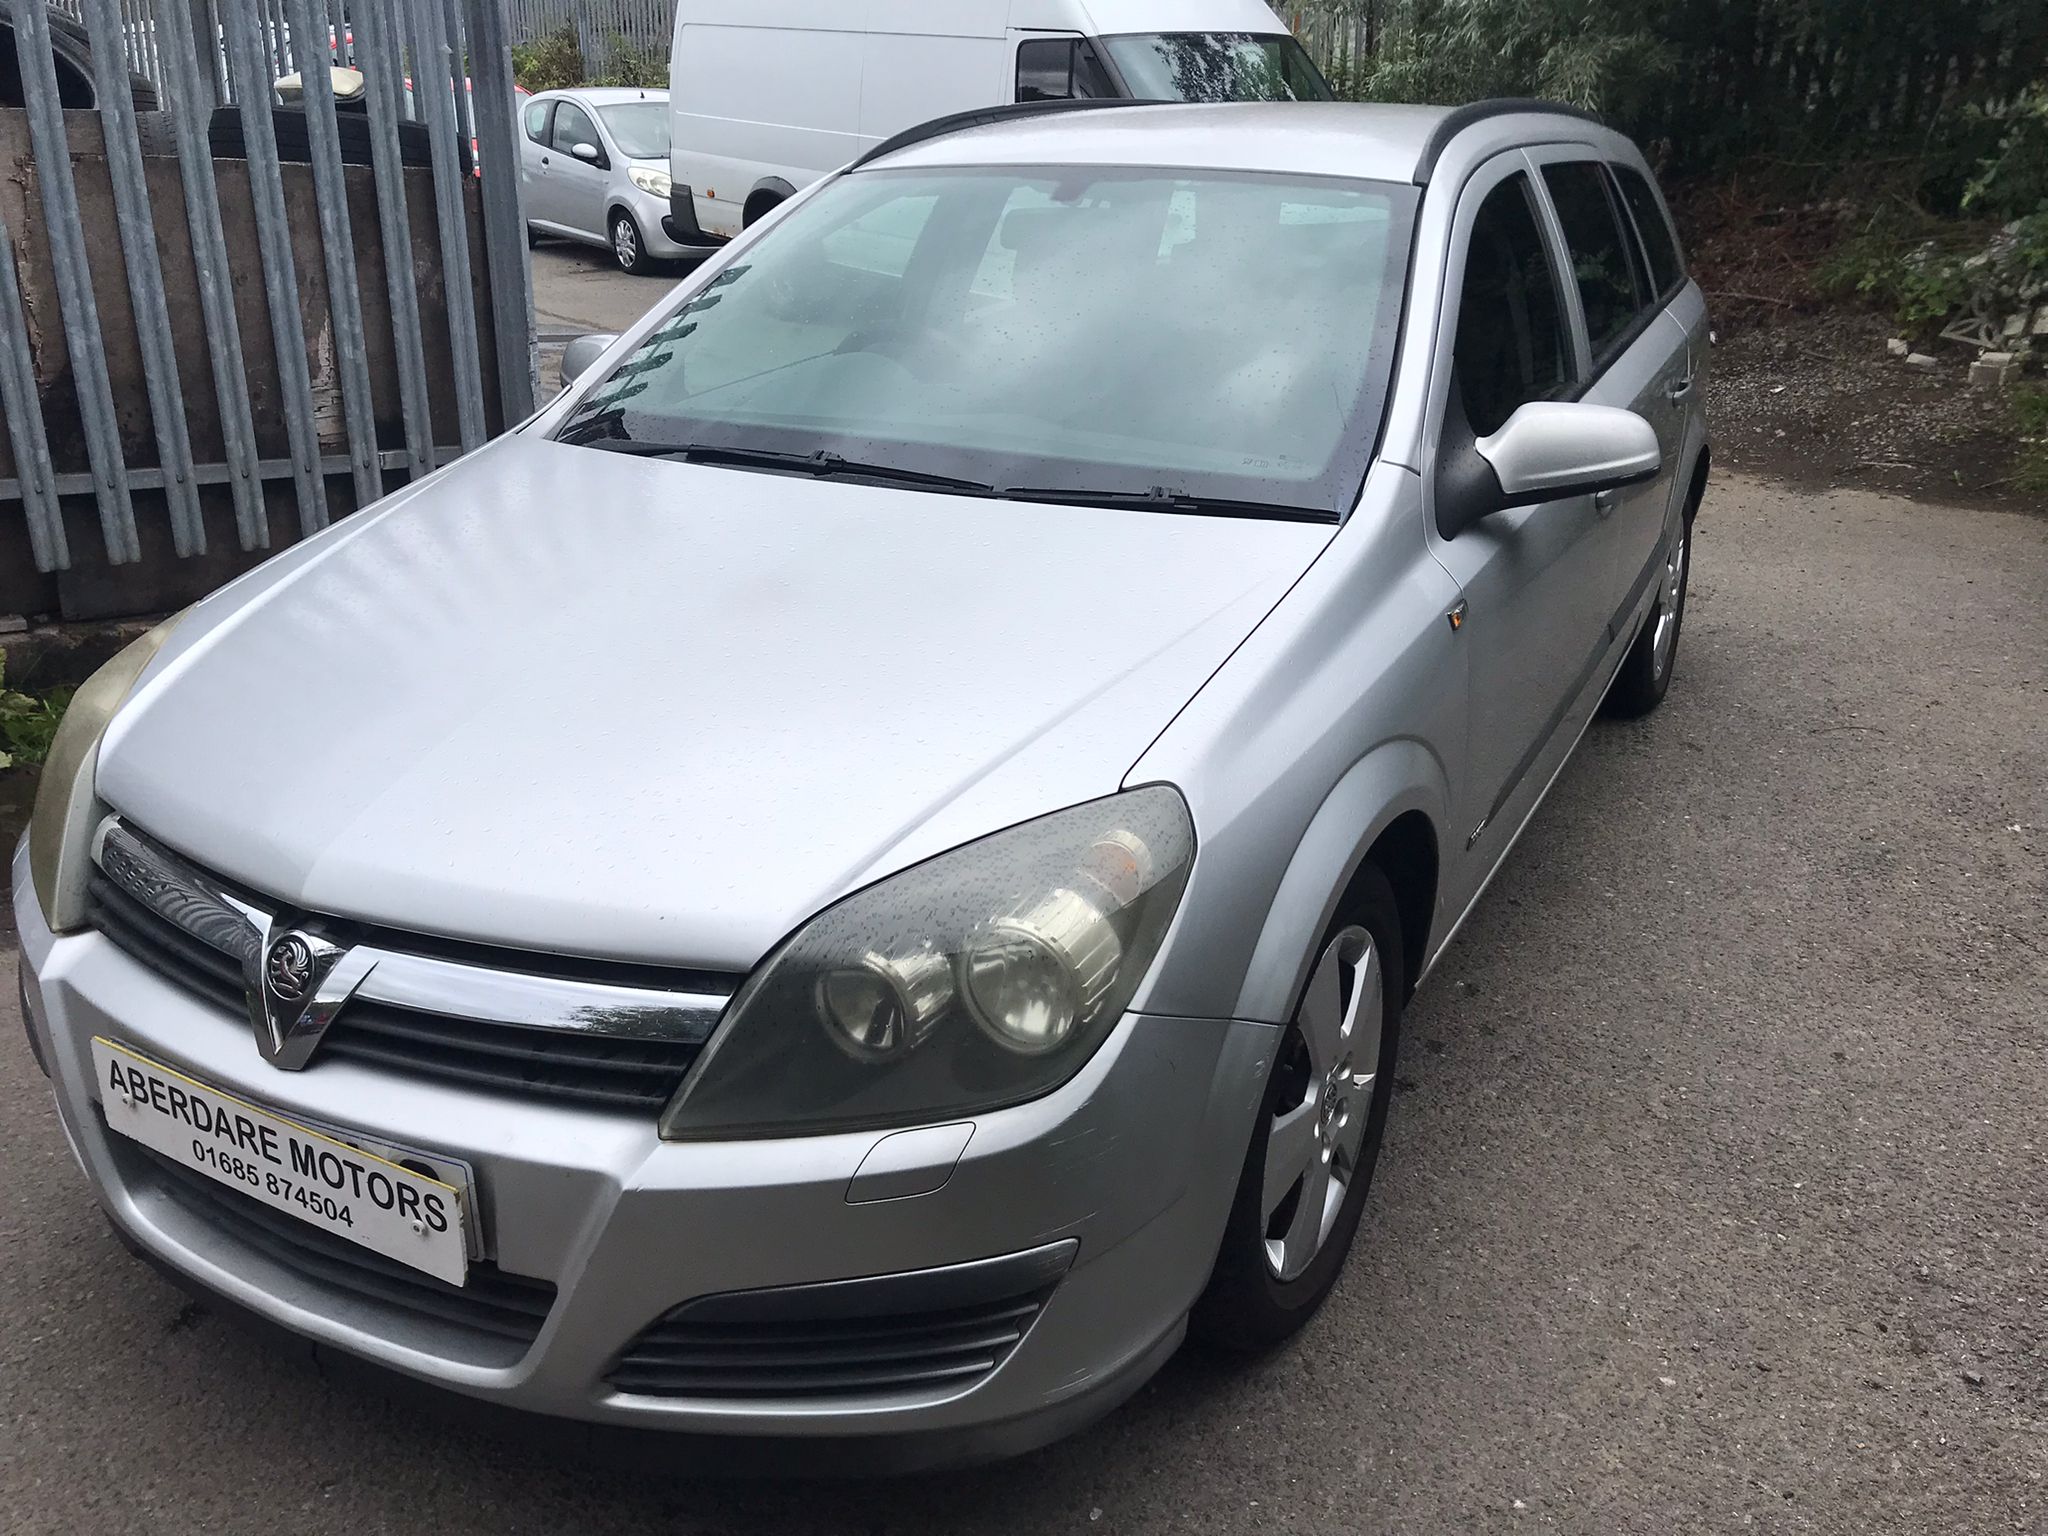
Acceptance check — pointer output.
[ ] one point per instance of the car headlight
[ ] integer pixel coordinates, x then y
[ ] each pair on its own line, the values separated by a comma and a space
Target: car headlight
60, 828
980, 978
650, 180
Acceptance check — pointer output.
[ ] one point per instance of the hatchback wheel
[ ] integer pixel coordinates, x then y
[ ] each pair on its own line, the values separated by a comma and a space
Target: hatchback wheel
1317, 1139
1645, 675
627, 250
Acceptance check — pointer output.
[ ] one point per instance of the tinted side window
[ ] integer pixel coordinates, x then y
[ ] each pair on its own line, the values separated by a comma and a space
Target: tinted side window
573, 126
537, 121
1512, 344
1651, 224
1600, 251
1060, 69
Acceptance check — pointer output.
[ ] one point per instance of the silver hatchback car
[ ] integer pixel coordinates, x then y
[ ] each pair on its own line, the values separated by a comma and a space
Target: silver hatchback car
593, 167
855, 879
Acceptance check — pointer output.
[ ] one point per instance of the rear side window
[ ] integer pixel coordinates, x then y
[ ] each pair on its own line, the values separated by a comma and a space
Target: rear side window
1652, 225
1060, 69
1601, 259
1512, 344
537, 121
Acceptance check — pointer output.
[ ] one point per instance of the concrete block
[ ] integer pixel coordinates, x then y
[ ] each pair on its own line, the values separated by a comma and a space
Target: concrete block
1897, 346
1994, 370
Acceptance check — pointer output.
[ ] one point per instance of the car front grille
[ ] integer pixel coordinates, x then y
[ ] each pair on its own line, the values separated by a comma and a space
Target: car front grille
886, 1336
638, 1070
495, 1316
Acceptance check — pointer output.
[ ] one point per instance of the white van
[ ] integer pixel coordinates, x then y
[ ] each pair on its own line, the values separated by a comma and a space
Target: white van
768, 95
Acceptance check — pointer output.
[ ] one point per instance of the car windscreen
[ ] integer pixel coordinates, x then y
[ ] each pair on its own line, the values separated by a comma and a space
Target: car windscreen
640, 128
1106, 332
1215, 66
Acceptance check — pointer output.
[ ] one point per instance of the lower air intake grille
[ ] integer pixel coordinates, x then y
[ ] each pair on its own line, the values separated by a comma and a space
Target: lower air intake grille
501, 1312
929, 1333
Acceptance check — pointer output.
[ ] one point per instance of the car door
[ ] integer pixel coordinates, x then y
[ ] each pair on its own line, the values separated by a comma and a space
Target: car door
1683, 396
535, 173
1533, 579
1635, 355
578, 185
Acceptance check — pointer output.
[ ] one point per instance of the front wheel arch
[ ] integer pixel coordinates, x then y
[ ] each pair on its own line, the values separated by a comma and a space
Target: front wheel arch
1393, 801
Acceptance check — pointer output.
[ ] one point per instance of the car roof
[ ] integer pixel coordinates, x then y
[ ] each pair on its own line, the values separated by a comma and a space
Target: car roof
610, 95
1375, 141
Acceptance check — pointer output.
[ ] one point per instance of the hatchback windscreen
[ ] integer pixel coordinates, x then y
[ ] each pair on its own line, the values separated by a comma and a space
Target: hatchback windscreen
1213, 341
640, 128
1215, 66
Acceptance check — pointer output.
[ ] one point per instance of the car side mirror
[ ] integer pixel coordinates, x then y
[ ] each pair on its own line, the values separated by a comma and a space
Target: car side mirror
584, 152
1546, 451
581, 353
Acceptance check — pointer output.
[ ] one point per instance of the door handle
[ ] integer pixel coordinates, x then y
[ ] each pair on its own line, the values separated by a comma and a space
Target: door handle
543, 159
1604, 502
1678, 389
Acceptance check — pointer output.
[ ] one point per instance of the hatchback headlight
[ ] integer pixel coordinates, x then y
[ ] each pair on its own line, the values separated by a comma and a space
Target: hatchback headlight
980, 978
60, 828
650, 180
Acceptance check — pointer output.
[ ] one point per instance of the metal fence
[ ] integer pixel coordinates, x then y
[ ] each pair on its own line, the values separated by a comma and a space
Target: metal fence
394, 325
605, 30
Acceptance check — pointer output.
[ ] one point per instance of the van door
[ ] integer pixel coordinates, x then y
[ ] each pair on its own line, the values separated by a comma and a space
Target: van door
925, 58
1058, 66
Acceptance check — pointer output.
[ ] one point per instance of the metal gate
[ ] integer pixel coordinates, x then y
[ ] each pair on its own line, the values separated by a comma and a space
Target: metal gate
268, 310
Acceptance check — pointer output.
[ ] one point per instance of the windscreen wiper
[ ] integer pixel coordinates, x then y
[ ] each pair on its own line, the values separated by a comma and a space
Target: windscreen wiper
822, 464
1162, 499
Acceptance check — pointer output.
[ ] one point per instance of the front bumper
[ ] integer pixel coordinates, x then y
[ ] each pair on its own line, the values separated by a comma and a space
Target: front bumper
1135, 1161
651, 214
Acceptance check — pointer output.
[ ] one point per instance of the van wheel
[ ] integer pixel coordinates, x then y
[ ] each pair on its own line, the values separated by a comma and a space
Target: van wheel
627, 249
759, 206
1317, 1139
1645, 675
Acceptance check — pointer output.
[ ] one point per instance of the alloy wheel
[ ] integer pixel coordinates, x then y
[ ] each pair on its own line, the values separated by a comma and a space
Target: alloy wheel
625, 243
1317, 1132
1670, 602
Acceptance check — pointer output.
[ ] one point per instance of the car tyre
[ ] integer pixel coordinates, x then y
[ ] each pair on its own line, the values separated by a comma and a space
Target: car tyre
1334, 1064
1645, 675
629, 250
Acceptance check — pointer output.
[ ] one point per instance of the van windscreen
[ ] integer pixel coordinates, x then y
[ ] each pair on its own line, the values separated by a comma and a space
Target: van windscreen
1215, 66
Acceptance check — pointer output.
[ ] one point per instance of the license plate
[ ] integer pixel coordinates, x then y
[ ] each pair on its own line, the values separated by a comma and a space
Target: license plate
325, 1182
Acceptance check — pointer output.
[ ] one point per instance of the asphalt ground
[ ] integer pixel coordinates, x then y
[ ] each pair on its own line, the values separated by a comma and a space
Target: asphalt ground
577, 289
1712, 1200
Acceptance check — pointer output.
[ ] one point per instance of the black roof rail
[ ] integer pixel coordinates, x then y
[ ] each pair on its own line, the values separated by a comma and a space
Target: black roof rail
982, 117
1477, 112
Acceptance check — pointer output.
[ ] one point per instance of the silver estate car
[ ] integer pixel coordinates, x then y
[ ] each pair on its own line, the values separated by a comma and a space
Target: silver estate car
855, 879
593, 167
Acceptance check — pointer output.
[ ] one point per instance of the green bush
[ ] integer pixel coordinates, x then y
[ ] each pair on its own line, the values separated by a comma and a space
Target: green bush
1924, 271
2030, 426
2012, 182
550, 62
27, 723
1596, 54
634, 66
